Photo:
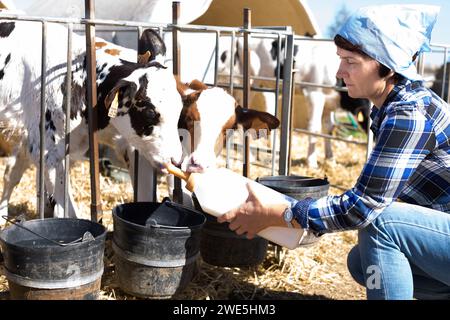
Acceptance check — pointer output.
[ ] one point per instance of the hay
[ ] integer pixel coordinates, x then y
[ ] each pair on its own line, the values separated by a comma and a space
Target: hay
317, 272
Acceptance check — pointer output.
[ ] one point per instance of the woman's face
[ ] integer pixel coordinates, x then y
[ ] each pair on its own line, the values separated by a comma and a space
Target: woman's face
360, 74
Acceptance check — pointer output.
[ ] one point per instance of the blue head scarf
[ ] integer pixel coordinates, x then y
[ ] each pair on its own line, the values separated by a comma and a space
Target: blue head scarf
392, 34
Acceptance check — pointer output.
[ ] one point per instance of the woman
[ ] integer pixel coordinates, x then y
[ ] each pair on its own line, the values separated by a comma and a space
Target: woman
401, 201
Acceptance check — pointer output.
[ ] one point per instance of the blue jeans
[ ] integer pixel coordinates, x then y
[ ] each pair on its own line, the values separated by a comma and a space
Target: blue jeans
404, 253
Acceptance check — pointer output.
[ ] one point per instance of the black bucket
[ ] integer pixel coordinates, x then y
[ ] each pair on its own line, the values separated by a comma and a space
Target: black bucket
299, 188
220, 246
67, 265
156, 246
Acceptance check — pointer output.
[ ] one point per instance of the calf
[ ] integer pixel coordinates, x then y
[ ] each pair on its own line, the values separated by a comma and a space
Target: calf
314, 62
147, 100
206, 115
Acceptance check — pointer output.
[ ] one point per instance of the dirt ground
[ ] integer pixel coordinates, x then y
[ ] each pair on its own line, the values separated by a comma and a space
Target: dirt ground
317, 272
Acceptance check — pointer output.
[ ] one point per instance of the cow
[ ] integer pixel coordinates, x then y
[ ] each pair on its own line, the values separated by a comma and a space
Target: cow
145, 95
315, 62
206, 115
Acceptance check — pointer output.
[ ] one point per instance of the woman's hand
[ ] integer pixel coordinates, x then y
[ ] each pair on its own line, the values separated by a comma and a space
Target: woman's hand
253, 216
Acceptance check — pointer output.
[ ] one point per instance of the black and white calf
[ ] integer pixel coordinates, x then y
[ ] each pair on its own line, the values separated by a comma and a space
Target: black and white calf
148, 104
206, 115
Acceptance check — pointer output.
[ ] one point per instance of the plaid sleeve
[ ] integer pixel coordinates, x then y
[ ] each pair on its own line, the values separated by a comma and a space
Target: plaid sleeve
405, 138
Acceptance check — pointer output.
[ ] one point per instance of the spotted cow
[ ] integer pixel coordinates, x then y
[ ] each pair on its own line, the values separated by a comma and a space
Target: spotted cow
146, 97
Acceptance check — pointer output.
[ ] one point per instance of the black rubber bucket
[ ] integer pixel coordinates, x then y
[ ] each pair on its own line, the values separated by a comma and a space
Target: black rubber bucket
220, 246
298, 187
156, 247
53, 269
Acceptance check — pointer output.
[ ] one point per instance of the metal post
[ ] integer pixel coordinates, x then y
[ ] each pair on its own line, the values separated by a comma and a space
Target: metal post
291, 123
286, 106
277, 94
67, 125
216, 60
246, 84
231, 136
96, 207
175, 35
177, 192
233, 47
136, 152
42, 120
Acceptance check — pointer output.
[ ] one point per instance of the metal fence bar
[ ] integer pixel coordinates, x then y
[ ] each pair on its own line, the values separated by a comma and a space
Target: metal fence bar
177, 192
327, 136
299, 83
67, 124
246, 92
213, 56
96, 206
216, 58
136, 152
277, 94
440, 45
286, 106
231, 86
232, 53
42, 121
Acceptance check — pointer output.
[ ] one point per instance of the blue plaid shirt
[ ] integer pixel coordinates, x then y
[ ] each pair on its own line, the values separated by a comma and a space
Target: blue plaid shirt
410, 162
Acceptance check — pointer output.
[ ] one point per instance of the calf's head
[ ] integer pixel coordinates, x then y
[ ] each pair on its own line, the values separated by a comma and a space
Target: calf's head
148, 107
207, 114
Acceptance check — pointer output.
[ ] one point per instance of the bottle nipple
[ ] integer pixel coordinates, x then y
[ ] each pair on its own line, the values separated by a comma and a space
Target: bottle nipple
177, 172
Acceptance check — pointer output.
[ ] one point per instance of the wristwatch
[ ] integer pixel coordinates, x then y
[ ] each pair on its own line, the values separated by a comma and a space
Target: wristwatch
288, 216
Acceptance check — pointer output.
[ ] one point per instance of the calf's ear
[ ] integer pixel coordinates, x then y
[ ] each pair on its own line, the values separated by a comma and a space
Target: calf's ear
129, 88
152, 42
254, 119
197, 85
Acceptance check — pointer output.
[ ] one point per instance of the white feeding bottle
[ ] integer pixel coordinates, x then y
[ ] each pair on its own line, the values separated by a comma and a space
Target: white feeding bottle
220, 190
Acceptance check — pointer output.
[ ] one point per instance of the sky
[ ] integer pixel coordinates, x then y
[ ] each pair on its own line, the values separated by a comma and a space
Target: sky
441, 32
